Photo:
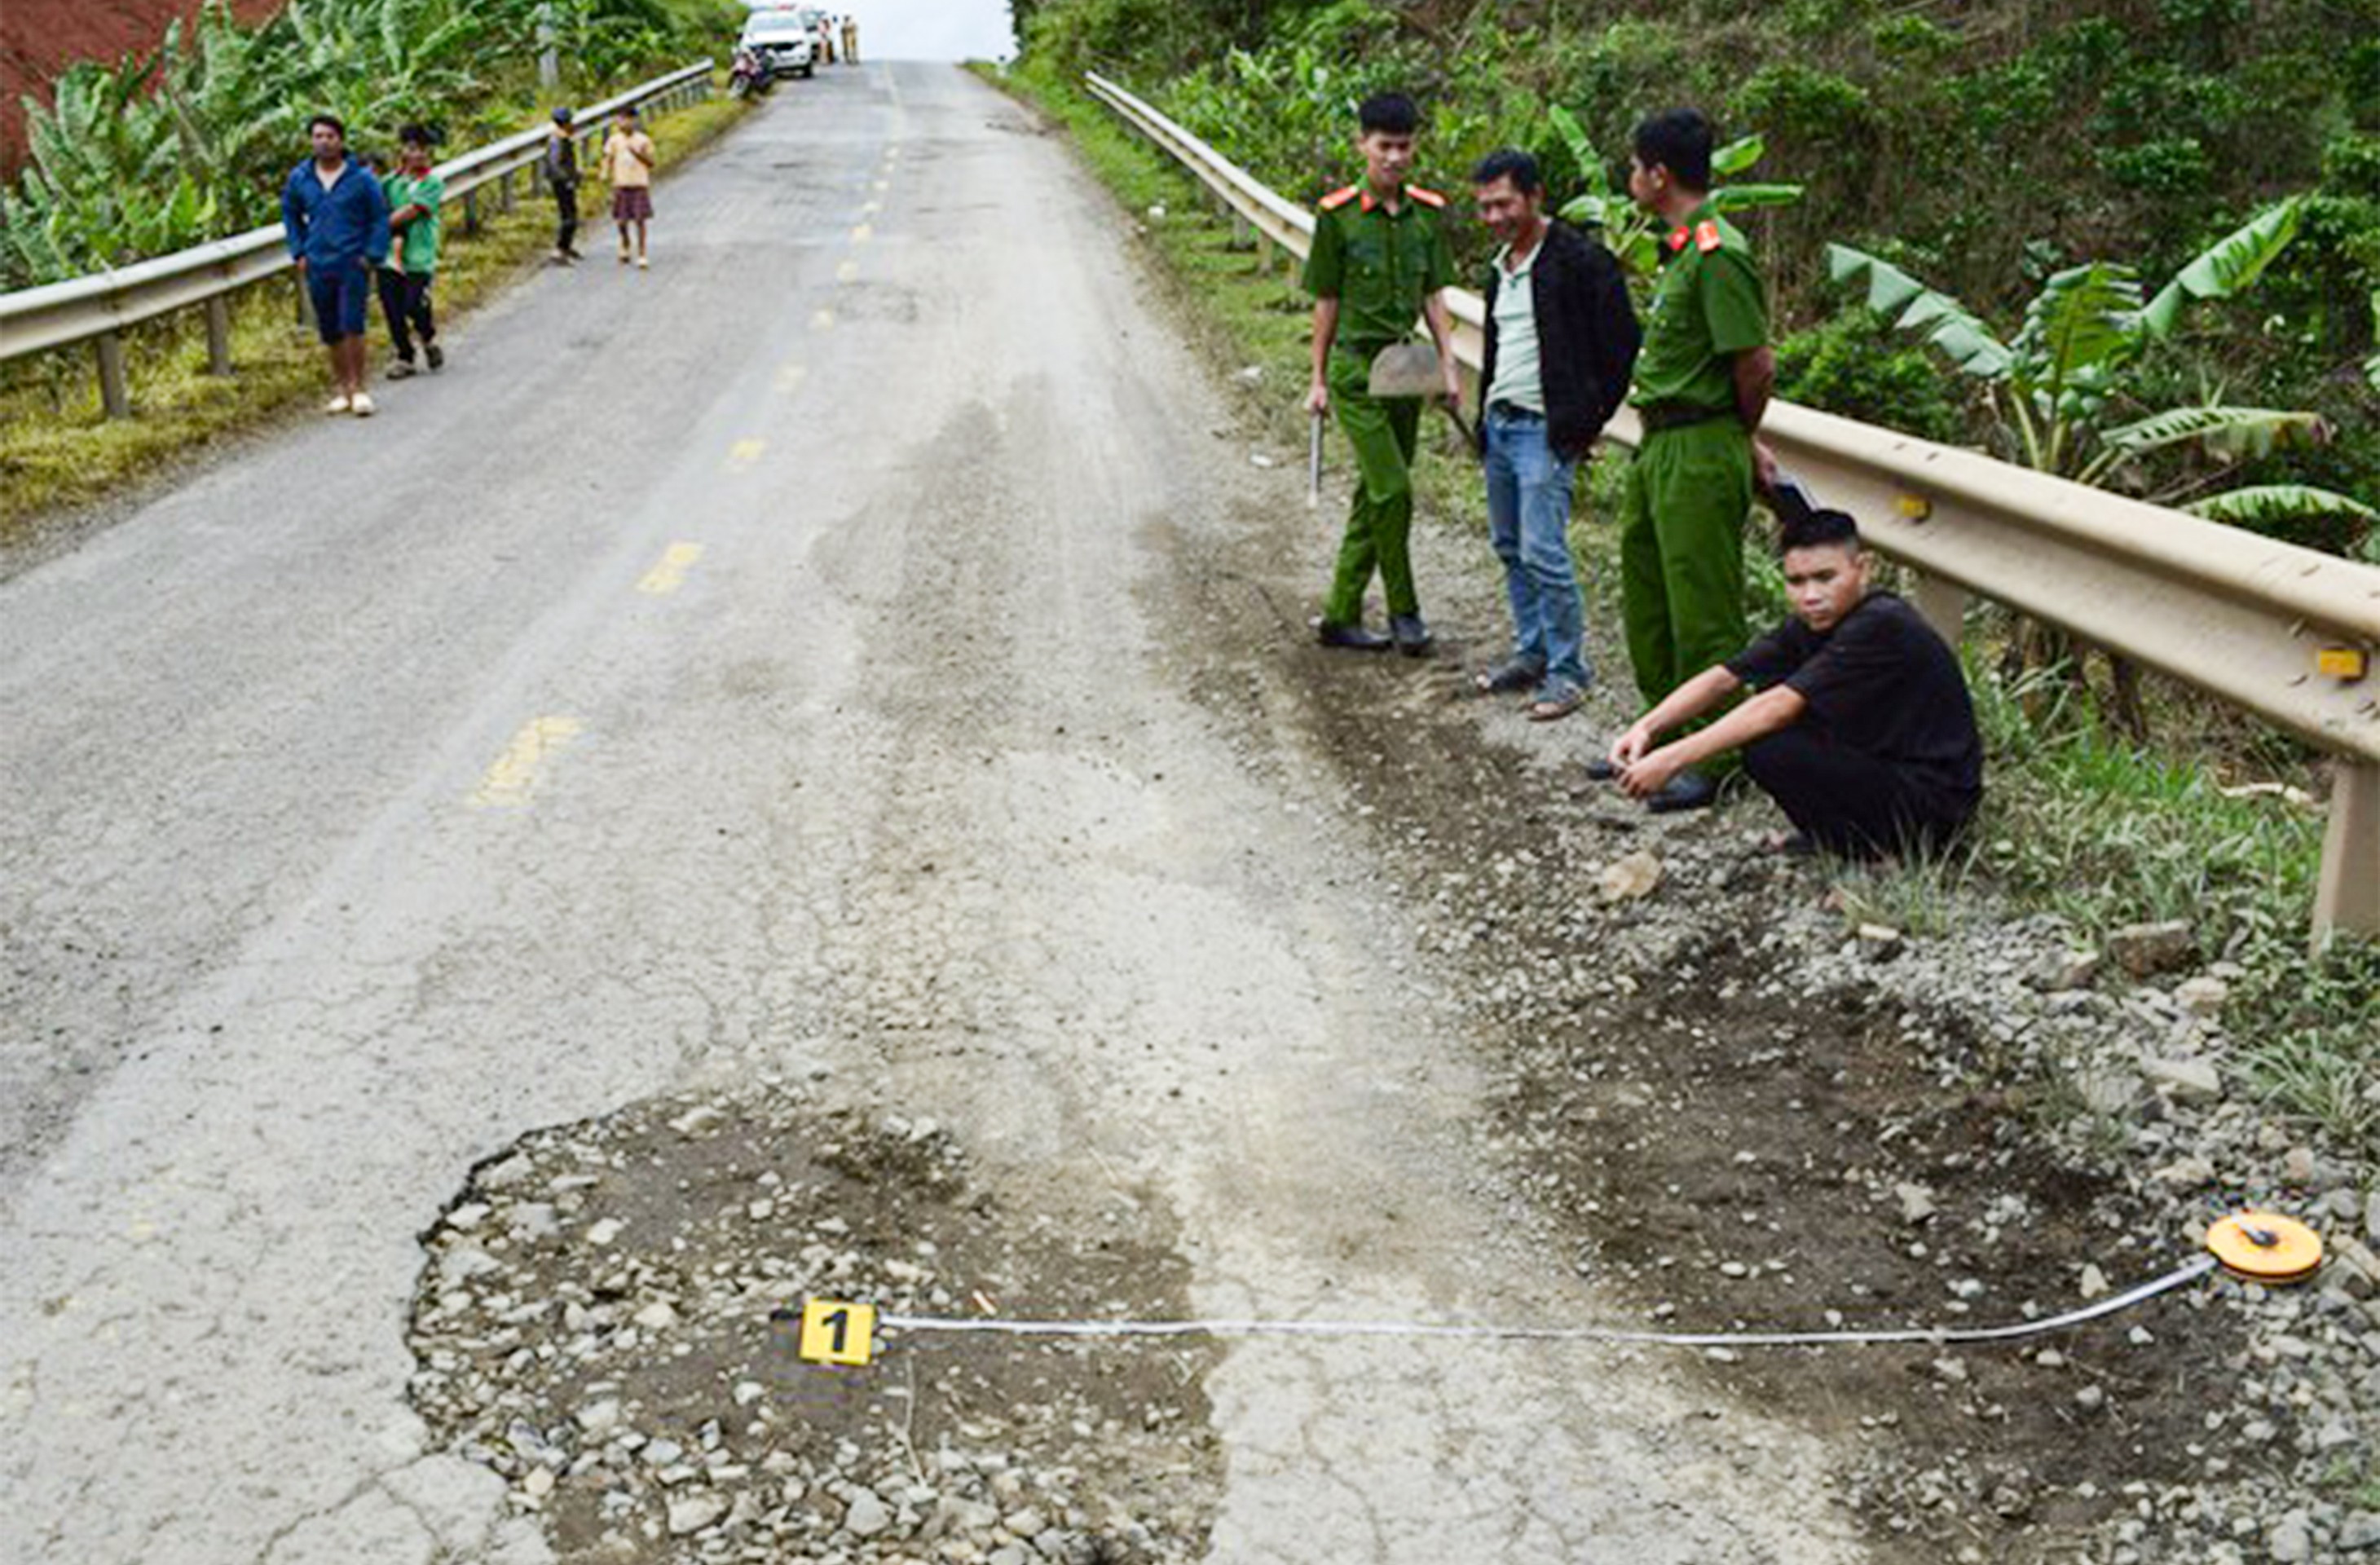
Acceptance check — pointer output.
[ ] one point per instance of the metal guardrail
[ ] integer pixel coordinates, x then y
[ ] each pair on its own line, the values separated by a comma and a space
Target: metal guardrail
2242, 617
98, 307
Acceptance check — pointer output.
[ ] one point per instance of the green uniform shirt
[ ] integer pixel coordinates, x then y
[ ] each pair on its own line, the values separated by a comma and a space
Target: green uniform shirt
418, 247
1379, 265
1708, 306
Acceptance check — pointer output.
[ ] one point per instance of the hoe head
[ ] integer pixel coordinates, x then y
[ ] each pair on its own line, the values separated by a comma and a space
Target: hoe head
1406, 369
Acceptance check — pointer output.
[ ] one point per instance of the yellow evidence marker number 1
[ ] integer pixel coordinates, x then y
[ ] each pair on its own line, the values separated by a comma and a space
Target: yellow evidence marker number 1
835, 1332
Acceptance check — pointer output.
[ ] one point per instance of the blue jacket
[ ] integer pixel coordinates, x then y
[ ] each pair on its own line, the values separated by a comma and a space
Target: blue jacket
327, 227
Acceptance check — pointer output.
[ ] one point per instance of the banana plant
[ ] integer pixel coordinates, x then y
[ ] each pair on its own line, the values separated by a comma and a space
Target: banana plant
2061, 388
1627, 231
2062, 393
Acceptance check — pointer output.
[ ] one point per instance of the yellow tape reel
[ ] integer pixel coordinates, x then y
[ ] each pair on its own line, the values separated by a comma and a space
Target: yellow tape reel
2265, 1247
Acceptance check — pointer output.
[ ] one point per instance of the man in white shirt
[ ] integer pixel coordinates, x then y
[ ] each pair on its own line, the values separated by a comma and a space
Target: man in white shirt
1562, 339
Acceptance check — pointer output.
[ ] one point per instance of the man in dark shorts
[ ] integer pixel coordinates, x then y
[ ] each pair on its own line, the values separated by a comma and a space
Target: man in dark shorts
334, 216
1862, 731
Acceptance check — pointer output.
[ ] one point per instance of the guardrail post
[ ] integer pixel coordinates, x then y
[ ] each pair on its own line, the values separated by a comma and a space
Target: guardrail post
504, 192
218, 335
1944, 605
2348, 896
470, 212
115, 395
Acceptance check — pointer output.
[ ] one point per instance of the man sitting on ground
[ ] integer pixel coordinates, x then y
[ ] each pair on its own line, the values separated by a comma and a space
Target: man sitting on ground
1863, 731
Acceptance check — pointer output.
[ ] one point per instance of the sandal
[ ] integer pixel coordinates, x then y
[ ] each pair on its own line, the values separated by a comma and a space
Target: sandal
1552, 706
1512, 674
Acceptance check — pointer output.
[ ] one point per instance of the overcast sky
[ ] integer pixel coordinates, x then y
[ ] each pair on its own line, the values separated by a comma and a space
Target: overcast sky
929, 30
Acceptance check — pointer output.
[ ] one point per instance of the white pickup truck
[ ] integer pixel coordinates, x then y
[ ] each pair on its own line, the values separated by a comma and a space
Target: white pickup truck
781, 40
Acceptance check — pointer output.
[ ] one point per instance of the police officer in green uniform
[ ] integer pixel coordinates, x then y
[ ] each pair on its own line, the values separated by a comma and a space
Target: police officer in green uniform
1379, 259
1703, 381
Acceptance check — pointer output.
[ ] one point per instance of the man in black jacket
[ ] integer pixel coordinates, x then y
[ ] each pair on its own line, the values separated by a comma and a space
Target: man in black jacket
1561, 341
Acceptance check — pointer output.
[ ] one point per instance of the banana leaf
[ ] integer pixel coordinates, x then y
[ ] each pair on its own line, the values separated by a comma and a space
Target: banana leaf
1582, 153
2226, 267
2085, 318
1744, 197
2235, 434
1920, 311
1738, 155
2259, 505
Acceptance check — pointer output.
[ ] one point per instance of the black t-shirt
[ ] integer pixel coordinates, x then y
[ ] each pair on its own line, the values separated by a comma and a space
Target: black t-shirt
1882, 683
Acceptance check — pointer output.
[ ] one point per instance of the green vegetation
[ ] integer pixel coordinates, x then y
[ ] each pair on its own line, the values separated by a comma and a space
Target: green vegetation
58, 447
2061, 392
163, 151
190, 142
2075, 821
1987, 148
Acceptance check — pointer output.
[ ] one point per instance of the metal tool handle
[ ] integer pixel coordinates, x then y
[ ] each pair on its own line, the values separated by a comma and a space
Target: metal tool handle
1314, 466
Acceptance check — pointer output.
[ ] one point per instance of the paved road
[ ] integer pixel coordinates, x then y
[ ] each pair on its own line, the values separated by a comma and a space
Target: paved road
761, 662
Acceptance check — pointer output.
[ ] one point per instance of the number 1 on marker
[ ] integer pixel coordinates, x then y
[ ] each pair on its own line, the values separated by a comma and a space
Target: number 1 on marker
837, 1332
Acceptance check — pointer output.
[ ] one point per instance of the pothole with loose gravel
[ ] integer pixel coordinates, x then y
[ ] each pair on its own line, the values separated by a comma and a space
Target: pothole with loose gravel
606, 1319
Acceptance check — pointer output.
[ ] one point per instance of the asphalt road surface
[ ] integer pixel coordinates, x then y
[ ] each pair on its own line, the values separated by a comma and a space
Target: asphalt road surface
756, 664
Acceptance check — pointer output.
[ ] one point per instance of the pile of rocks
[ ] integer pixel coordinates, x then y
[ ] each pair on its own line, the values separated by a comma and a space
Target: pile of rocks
609, 1318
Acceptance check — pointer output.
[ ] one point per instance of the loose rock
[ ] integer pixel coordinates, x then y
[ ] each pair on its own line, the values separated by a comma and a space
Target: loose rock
2145, 949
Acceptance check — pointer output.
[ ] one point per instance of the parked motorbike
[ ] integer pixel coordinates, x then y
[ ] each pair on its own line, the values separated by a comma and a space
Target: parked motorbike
748, 77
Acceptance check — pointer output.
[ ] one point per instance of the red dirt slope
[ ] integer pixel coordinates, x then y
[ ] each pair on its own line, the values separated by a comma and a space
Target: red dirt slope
40, 38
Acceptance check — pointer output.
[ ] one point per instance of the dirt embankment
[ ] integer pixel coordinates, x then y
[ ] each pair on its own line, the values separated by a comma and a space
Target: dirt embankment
40, 37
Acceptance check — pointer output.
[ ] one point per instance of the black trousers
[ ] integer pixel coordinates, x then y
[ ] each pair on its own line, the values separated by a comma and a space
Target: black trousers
404, 300
566, 218
1847, 802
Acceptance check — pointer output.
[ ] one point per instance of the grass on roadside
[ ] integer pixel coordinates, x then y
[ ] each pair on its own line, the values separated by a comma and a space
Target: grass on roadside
57, 449
2076, 822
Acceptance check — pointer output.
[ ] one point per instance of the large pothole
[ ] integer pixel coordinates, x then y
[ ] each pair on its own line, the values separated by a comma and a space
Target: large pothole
601, 1320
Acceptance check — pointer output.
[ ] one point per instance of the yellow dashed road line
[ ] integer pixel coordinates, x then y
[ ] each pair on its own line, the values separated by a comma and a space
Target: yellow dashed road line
862, 233
822, 322
743, 454
670, 574
790, 379
847, 273
510, 781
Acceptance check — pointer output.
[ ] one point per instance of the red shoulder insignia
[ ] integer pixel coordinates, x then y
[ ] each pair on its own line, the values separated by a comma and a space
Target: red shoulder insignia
1338, 199
1706, 236
1426, 197
1677, 238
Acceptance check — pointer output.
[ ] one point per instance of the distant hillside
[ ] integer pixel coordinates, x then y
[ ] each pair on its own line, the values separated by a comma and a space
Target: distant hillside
39, 38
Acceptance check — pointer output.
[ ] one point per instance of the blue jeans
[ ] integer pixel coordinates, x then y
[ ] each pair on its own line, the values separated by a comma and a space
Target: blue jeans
1528, 521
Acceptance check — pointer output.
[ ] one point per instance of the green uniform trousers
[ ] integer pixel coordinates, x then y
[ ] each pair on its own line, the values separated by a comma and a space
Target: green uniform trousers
1681, 521
1384, 432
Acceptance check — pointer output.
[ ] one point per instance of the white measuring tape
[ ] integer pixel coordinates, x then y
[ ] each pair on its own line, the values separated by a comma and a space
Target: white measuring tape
2254, 1247
2197, 1268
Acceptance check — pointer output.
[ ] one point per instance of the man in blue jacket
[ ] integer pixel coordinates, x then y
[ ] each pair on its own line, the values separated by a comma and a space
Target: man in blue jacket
336, 215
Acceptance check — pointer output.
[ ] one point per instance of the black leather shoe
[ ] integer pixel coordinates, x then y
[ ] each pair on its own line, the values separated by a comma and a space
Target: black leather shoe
1412, 635
1350, 637
1687, 790
1600, 770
